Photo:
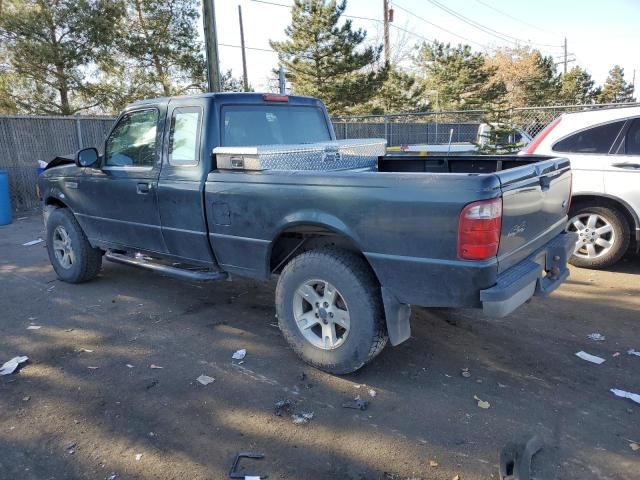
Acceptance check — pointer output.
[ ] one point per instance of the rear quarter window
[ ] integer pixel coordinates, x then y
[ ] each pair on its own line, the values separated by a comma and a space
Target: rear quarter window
591, 140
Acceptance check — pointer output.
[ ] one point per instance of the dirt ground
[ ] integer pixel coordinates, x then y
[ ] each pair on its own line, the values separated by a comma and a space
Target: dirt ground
87, 402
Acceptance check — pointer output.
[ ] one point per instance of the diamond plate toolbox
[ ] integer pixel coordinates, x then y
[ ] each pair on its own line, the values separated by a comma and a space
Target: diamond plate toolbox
334, 155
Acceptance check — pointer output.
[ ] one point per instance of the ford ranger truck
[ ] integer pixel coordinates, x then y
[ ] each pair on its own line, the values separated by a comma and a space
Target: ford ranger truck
216, 185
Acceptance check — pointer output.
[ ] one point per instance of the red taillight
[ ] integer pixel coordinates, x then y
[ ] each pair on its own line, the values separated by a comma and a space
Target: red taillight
270, 97
479, 230
531, 148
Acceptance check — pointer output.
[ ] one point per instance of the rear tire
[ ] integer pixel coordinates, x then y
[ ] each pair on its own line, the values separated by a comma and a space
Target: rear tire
354, 307
72, 256
604, 235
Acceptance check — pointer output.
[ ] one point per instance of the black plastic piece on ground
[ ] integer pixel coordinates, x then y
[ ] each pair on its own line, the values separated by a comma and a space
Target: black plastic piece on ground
515, 459
356, 404
234, 466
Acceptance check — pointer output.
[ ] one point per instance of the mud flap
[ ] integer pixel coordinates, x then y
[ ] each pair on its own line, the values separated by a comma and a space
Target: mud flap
397, 317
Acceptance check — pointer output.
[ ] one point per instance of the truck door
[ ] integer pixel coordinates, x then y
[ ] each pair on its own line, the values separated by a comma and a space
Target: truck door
180, 188
121, 207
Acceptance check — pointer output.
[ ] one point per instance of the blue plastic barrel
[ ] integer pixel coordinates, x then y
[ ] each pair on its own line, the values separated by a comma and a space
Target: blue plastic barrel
5, 199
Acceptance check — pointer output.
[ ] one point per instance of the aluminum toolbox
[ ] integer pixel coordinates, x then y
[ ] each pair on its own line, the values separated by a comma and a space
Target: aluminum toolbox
334, 155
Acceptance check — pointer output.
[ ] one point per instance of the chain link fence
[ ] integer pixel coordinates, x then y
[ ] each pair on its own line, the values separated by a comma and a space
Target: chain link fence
440, 127
25, 139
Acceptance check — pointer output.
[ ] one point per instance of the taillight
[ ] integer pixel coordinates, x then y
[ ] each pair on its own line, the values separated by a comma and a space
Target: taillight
479, 230
271, 97
531, 148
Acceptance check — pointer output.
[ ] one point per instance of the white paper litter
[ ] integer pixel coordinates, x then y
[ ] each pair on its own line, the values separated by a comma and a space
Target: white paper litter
9, 367
633, 352
301, 418
34, 327
129, 365
621, 393
205, 379
155, 367
590, 358
372, 392
251, 477
240, 354
138, 457
32, 242
596, 337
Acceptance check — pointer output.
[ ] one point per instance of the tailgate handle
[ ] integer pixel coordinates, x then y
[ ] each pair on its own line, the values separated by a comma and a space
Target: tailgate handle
545, 182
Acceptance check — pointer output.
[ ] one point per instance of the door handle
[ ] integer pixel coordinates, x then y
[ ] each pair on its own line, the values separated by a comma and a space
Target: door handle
143, 188
630, 165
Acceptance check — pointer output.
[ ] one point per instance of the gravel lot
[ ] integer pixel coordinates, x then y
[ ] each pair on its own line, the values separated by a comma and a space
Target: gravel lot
62, 419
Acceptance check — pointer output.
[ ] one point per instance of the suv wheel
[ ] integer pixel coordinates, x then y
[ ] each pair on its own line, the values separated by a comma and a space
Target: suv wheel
330, 310
70, 253
603, 235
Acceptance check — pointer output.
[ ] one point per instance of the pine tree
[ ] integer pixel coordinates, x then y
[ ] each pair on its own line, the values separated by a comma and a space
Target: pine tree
577, 87
50, 48
158, 41
460, 76
615, 88
326, 58
401, 92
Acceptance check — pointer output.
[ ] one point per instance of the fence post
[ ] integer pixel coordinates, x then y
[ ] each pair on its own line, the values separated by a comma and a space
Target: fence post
79, 134
386, 128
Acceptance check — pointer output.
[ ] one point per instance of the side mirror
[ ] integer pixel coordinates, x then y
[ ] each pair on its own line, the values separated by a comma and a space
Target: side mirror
87, 157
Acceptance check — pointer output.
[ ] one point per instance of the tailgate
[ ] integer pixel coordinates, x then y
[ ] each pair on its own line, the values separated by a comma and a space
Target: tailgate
535, 201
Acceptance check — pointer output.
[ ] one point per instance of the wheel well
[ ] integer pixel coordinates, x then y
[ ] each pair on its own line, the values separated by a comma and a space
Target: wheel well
53, 201
606, 202
302, 238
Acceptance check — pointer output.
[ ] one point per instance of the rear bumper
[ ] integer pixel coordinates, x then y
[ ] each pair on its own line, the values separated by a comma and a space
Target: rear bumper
539, 274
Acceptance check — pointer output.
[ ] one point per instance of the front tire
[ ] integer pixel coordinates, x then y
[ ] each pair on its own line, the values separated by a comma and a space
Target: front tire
603, 235
72, 256
330, 310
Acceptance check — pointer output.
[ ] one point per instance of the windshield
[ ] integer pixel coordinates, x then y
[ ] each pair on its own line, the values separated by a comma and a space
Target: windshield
273, 124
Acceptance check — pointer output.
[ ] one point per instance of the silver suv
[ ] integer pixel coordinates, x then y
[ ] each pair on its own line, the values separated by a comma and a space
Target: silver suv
604, 149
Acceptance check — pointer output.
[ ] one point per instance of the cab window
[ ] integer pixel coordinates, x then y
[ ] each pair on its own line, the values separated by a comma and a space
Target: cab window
184, 137
133, 141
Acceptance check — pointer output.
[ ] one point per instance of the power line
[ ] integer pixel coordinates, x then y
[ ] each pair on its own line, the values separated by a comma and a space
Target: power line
437, 26
502, 36
291, 6
514, 18
270, 50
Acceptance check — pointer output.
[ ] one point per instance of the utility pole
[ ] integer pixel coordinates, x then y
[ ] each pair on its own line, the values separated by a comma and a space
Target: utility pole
387, 54
244, 55
565, 55
282, 85
211, 44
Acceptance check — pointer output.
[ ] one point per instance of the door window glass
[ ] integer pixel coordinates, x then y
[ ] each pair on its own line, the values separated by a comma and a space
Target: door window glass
185, 136
632, 139
133, 142
592, 140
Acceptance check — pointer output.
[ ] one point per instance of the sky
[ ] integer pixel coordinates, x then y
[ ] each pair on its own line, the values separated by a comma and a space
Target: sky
600, 33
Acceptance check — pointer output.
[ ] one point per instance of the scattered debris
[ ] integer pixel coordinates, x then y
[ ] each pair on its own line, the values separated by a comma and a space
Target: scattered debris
501, 385
130, 366
617, 354
515, 459
156, 367
9, 367
433, 463
26, 399
622, 394
240, 354
85, 350
372, 393
283, 406
205, 379
357, 404
50, 289
113, 476
481, 403
301, 418
34, 327
71, 448
596, 337
590, 358
93, 368
32, 242
465, 372
631, 351
233, 471
138, 457
634, 446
